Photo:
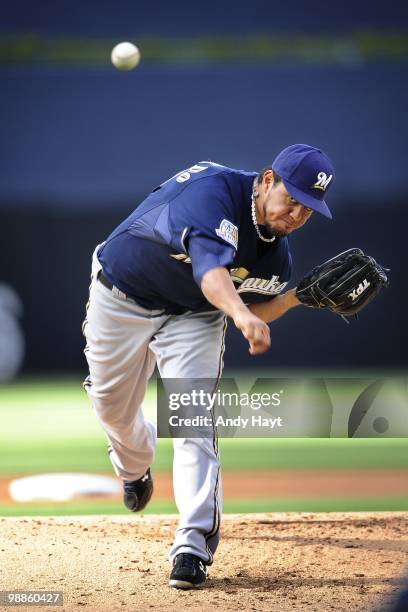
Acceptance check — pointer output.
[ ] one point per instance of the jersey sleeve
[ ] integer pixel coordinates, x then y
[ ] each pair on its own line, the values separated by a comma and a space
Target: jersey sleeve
268, 277
212, 235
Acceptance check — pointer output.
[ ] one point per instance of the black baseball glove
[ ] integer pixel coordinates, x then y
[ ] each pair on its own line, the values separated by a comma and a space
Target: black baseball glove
344, 284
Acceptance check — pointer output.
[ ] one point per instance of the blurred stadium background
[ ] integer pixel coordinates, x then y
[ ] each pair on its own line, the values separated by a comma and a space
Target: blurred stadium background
81, 144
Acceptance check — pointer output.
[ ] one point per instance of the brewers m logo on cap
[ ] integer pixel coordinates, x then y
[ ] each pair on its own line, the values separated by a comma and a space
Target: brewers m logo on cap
322, 181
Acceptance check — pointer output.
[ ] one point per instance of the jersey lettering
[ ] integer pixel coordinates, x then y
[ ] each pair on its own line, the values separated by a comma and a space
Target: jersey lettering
184, 176
181, 257
262, 285
238, 275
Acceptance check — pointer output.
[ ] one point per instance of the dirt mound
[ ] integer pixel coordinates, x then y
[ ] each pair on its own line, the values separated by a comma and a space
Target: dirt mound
290, 561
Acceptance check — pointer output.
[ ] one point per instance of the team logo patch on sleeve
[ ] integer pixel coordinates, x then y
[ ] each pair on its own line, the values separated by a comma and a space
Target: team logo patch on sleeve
228, 232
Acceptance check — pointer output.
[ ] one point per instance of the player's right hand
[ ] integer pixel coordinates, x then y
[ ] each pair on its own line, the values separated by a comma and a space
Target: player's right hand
254, 330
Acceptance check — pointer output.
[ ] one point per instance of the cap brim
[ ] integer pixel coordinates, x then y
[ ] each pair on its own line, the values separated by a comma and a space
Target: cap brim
319, 206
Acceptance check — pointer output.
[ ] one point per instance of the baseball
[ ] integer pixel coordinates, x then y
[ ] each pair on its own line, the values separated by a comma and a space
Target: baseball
125, 56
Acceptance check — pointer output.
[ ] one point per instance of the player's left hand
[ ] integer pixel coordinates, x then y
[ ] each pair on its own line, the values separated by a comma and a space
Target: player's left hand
344, 284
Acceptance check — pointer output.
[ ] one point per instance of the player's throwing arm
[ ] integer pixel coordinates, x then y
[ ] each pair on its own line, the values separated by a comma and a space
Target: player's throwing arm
219, 290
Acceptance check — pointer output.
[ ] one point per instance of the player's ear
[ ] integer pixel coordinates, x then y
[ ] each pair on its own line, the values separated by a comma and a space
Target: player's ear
264, 179
268, 178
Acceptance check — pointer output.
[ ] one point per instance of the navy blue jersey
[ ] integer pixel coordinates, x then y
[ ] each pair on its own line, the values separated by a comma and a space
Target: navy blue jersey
197, 220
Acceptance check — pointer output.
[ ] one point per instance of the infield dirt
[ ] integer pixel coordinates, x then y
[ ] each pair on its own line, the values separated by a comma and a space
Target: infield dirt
288, 561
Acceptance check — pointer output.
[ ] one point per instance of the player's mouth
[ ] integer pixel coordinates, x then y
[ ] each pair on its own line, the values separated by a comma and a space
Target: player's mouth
289, 226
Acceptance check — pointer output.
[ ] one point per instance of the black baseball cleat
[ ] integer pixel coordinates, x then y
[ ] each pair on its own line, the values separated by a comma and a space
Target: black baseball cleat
137, 493
188, 572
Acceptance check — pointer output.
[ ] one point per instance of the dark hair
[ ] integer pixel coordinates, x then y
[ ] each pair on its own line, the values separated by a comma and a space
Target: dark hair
276, 178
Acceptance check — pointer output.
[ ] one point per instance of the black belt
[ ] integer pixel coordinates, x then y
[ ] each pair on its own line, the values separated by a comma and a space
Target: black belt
105, 281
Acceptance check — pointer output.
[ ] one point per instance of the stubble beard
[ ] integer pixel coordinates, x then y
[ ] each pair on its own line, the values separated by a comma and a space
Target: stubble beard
272, 232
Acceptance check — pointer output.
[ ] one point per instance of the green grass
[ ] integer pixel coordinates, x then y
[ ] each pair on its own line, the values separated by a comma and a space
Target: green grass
238, 455
314, 453
81, 507
49, 426
308, 504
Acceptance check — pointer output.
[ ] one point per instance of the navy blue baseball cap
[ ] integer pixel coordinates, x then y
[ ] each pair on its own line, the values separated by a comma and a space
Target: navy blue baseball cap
307, 174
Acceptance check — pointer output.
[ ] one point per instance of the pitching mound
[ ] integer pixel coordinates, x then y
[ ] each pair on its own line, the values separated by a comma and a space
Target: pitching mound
321, 562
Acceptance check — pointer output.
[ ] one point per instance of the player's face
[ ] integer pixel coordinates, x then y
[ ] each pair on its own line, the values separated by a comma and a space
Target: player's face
282, 214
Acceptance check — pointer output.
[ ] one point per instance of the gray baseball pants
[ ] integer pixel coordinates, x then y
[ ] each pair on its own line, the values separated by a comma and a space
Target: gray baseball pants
124, 343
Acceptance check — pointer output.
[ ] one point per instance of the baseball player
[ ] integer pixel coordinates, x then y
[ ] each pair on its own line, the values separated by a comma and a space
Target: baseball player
209, 243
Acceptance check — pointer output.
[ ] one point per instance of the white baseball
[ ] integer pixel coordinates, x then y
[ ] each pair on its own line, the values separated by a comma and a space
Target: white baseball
125, 56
